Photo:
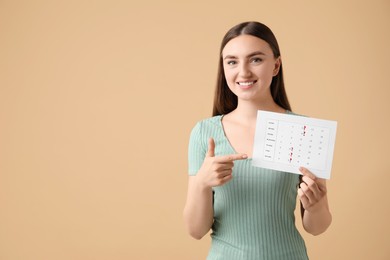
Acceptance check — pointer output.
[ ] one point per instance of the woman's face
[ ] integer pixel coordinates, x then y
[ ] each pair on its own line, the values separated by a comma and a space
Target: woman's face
249, 65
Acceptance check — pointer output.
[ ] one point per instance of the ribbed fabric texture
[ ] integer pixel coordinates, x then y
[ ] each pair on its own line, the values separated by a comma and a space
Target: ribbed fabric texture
254, 212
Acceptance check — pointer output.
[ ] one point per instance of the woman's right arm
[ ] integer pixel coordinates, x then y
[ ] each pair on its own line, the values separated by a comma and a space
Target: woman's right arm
198, 211
215, 171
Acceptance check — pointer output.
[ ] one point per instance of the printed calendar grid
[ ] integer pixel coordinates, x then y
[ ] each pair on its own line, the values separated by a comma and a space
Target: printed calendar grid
298, 139
289, 141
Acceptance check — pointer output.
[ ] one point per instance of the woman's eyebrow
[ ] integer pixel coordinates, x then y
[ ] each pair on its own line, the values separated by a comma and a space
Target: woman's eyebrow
230, 57
248, 56
255, 53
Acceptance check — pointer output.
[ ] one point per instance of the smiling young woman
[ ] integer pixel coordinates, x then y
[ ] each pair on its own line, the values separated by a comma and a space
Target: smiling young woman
250, 210
249, 66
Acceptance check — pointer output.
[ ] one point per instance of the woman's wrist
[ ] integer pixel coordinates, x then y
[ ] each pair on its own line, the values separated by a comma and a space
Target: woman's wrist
201, 184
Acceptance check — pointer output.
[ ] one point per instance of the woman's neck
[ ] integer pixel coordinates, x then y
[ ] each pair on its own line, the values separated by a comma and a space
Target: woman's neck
246, 111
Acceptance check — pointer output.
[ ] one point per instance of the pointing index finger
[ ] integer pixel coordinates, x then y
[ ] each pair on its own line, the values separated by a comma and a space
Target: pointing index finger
232, 157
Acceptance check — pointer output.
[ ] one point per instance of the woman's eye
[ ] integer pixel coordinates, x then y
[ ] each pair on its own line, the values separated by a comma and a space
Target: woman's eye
231, 62
257, 60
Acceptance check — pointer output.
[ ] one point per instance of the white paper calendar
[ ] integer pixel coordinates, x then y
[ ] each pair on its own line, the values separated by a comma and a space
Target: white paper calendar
285, 142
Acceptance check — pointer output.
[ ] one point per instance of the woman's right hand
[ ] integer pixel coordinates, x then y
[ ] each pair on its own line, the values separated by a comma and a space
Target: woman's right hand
217, 170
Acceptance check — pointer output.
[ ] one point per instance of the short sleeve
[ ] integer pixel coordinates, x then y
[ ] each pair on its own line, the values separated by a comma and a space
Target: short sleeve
197, 149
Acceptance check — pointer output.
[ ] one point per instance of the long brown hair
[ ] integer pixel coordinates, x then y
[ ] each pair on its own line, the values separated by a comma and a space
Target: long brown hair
225, 100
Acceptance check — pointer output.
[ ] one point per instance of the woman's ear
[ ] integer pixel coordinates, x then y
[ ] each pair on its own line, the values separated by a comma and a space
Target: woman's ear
278, 62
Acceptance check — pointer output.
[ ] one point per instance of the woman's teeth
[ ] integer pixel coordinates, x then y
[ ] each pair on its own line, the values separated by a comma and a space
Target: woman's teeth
245, 83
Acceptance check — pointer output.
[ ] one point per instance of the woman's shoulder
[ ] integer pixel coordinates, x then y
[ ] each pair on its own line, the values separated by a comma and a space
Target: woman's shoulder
209, 122
289, 112
207, 126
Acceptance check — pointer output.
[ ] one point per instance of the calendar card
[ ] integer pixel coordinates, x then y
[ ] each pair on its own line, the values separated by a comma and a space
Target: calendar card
285, 142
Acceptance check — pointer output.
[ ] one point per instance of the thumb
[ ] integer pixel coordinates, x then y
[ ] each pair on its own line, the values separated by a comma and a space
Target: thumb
210, 151
307, 173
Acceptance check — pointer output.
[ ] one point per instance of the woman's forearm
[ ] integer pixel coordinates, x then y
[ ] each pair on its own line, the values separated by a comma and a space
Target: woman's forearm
312, 192
317, 221
198, 210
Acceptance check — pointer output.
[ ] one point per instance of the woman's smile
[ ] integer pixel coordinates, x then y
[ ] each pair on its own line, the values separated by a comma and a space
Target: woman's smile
246, 84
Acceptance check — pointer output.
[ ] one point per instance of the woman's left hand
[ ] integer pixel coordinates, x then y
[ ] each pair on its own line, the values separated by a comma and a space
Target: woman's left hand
312, 191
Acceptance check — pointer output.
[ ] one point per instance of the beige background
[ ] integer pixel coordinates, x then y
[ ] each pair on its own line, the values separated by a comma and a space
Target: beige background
97, 99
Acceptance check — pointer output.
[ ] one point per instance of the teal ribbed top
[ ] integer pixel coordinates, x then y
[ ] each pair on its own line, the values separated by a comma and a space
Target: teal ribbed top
254, 212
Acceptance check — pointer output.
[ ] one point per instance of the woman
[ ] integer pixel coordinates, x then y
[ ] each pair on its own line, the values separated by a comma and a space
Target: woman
250, 210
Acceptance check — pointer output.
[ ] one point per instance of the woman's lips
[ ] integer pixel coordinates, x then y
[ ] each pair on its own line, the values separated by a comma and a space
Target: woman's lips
246, 84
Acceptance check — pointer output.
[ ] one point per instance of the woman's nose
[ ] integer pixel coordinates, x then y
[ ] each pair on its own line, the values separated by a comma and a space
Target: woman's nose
245, 71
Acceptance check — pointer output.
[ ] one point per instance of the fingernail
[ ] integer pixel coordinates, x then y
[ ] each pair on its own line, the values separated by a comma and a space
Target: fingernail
245, 156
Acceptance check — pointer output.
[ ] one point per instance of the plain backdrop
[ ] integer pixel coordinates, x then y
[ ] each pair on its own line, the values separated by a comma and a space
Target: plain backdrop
97, 100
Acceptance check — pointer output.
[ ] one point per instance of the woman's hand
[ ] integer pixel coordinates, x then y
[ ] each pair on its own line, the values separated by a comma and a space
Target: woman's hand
312, 191
316, 217
217, 170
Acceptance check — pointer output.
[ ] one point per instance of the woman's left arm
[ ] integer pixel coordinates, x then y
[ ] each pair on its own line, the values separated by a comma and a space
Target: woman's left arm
316, 217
